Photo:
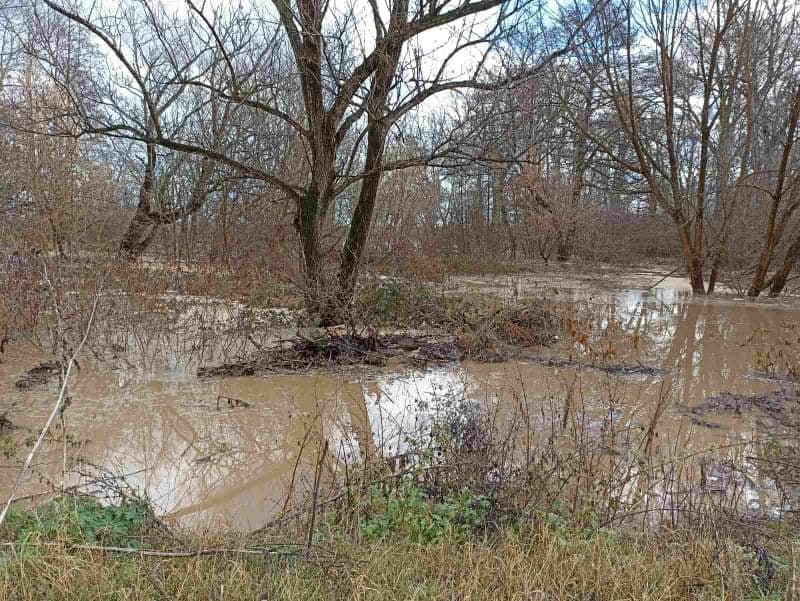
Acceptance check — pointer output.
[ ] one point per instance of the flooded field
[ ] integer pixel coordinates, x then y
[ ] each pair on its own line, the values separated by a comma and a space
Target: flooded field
240, 450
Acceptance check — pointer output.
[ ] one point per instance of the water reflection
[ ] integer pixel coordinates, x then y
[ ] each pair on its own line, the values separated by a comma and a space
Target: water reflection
240, 465
400, 405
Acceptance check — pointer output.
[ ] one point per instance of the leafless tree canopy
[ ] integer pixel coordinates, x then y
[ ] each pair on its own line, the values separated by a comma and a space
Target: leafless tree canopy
319, 137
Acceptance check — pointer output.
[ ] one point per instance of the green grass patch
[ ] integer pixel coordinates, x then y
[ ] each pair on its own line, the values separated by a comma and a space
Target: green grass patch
407, 513
74, 520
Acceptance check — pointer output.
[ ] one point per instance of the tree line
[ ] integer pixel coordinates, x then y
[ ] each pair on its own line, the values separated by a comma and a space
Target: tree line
344, 132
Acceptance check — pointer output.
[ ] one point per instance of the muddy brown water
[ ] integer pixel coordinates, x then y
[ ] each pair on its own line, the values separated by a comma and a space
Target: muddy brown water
205, 460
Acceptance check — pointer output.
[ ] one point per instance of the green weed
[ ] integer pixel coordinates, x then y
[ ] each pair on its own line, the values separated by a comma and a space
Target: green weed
408, 513
78, 520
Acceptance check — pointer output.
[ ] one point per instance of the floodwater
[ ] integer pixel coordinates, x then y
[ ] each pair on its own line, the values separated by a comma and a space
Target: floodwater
237, 451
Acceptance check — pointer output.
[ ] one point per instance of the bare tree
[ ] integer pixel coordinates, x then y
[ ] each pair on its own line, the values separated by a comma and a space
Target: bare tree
338, 83
784, 201
660, 65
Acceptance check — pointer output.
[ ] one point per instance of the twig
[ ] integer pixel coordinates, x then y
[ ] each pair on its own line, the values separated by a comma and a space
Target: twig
674, 271
294, 470
75, 487
53, 414
317, 478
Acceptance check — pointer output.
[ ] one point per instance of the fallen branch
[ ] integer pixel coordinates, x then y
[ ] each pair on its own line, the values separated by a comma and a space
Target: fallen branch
670, 274
167, 554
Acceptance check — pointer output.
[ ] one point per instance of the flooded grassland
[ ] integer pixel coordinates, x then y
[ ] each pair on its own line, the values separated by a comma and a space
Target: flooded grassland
699, 385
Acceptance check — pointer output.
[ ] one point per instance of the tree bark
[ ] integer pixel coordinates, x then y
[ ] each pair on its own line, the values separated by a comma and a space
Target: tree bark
377, 127
782, 275
308, 229
694, 261
362, 216
142, 228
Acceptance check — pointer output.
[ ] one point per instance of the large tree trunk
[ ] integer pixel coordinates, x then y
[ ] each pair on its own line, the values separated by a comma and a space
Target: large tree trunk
312, 207
694, 260
695, 267
782, 275
142, 228
758, 282
307, 224
148, 218
377, 127
140, 233
715, 270
353, 250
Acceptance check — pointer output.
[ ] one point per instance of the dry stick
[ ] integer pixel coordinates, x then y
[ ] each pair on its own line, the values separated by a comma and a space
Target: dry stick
64, 455
674, 271
53, 414
317, 478
296, 464
155, 553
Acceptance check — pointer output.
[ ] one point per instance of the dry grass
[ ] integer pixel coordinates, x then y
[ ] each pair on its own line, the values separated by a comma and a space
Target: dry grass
536, 560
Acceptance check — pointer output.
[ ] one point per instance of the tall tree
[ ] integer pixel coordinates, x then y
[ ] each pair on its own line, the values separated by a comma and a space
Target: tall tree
341, 83
660, 60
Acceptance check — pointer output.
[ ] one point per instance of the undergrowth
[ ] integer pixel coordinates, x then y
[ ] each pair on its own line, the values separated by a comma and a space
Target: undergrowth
407, 513
78, 520
431, 552
486, 326
403, 544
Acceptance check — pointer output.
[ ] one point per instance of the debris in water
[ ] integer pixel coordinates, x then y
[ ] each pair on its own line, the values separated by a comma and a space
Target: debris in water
233, 403
339, 350
617, 369
39, 375
782, 405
